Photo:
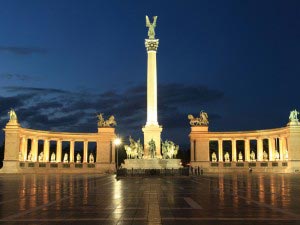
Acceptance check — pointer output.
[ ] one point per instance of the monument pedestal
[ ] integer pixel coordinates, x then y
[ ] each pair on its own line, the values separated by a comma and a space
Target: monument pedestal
152, 164
152, 132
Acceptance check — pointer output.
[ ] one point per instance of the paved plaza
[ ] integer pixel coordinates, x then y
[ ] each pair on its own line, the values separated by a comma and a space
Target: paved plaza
103, 199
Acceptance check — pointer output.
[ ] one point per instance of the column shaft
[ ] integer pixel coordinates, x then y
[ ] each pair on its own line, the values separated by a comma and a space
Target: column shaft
46, 151
247, 150
23, 149
72, 144
34, 149
58, 151
271, 142
233, 145
85, 151
220, 146
259, 149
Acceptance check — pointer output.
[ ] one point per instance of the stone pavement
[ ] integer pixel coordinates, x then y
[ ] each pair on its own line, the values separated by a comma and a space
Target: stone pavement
102, 199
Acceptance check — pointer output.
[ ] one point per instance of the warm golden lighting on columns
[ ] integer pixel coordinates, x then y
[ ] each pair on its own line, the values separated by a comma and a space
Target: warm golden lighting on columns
85, 151
233, 145
247, 150
34, 149
58, 151
46, 151
259, 149
72, 144
220, 146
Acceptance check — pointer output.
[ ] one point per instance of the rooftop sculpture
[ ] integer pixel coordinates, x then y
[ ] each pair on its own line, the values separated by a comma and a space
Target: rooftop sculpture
151, 26
202, 120
106, 123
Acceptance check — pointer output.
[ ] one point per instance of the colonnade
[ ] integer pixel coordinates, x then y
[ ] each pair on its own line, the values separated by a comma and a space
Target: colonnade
274, 151
33, 155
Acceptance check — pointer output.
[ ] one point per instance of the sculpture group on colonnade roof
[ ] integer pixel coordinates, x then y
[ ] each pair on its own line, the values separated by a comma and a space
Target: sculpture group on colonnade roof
202, 120
12, 115
106, 123
294, 116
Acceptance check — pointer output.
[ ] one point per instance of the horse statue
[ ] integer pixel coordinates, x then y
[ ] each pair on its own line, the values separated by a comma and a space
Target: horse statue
169, 149
12, 115
134, 150
202, 120
106, 123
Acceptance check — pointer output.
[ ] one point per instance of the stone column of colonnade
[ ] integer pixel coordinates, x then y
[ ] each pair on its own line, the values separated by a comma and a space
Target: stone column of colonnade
23, 149
233, 146
247, 150
46, 150
71, 154
220, 150
271, 142
58, 151
259, 149
34, 149
85, 151
283, 147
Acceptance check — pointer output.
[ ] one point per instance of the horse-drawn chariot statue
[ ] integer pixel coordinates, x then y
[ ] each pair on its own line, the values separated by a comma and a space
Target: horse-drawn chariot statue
202, 120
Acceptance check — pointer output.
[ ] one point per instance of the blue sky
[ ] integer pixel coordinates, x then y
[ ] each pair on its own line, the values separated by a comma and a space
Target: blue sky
63, 61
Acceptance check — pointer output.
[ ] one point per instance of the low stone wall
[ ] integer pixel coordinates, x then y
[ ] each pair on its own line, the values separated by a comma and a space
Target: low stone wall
152, 164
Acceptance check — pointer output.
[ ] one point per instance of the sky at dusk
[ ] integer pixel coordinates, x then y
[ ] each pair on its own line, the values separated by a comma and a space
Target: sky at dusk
61, 62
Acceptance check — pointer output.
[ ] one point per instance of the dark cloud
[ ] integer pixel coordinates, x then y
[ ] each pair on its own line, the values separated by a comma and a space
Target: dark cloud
22, 50
16, 76
60, 110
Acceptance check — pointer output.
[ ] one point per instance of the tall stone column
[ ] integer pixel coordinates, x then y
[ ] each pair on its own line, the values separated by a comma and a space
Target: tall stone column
152, 130
72, 144
46, 150
247, 150
58, 151
259, 149
233, 145
85, 151
220, 146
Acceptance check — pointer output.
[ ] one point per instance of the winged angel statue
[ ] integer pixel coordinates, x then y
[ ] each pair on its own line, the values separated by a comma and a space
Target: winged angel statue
151, 26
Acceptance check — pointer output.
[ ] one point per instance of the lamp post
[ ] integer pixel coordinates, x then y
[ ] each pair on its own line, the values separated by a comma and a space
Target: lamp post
117, 142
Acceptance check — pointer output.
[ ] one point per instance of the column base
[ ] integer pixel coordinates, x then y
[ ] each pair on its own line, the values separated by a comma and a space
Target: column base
152, 132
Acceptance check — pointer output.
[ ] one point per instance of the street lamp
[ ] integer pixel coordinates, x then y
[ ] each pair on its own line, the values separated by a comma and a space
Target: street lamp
117, 142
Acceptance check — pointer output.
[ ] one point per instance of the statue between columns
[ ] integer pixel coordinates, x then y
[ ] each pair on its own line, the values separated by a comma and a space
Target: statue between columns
151, 26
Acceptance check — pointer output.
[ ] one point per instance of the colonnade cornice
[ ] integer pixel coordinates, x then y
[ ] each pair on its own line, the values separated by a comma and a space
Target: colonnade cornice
242, 135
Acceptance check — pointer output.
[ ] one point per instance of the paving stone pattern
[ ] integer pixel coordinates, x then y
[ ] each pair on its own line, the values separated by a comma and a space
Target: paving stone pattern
103, 199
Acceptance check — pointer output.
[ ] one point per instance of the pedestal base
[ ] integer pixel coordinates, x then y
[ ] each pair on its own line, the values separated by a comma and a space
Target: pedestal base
152, 164
152, 132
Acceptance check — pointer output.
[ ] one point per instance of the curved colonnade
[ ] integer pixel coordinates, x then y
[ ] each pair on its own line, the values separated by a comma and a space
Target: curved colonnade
23, 148
274, 149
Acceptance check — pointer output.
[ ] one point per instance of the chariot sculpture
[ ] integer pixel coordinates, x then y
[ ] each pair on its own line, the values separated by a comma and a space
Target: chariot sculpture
106, 123
202, 120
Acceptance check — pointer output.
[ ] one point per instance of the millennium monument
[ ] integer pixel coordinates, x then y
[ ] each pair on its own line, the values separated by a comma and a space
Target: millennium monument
154, 155
36, 151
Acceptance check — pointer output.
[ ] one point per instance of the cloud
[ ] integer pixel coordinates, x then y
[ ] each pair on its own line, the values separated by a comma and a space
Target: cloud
22, 50
16, 76
60, 110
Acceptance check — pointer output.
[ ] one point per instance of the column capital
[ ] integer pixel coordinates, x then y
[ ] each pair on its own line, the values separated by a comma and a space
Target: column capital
151, 44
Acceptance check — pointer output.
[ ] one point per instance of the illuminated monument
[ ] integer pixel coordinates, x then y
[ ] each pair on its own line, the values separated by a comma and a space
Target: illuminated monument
152, 130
